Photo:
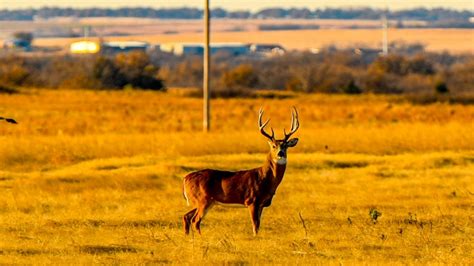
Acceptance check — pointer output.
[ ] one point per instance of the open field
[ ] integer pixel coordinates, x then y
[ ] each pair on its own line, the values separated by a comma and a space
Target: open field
106, 26
452, 40
95, 177
343, 33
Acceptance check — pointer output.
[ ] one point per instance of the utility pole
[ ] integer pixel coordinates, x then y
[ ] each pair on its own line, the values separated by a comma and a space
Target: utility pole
207, 65
384, 33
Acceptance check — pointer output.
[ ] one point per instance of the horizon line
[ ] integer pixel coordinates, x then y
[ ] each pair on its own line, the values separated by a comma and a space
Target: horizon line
250, 10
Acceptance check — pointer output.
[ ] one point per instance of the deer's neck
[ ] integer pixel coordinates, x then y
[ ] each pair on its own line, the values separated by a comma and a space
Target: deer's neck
273, 170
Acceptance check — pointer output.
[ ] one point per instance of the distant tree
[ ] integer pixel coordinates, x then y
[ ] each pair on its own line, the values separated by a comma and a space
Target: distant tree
393, 64
460, 78
380, 77
239, 14
13, 71
441, 87
439, 17
218, 13
25, 37
294, 84
300, 13
420, 64
352, 88
108, 74
272, 13
138, 70
240, 76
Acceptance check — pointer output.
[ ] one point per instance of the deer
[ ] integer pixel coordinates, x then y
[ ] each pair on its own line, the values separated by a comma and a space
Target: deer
252, 188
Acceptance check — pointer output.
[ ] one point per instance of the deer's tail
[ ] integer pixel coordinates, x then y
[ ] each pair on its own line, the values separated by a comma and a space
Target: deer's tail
184, 192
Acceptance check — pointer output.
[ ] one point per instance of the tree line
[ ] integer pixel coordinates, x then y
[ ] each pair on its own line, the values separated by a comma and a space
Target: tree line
407, 70
431, 15
122, 71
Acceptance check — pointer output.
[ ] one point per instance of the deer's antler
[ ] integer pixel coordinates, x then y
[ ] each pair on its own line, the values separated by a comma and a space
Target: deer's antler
295, 124
262, 126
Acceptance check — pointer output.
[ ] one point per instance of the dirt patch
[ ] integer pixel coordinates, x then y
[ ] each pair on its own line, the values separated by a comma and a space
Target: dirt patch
345, 164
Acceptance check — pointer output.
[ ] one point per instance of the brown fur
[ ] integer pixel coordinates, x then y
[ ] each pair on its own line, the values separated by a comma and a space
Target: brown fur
253, 188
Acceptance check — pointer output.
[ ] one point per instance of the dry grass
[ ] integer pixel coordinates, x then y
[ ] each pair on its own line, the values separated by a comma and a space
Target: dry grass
62, 127
95, 177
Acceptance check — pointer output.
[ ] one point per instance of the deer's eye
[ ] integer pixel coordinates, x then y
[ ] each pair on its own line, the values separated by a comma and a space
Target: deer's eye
274, 146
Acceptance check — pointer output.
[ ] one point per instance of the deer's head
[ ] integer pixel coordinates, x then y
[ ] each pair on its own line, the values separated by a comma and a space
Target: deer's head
278, 147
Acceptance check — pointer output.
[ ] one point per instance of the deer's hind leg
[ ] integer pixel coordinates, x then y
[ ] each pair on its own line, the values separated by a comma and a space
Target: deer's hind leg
200, 213
187, 220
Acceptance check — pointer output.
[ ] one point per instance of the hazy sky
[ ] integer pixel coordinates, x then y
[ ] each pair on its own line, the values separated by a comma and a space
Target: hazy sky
240, 4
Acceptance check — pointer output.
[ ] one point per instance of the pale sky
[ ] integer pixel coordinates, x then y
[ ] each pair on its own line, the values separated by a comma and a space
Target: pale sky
240, 4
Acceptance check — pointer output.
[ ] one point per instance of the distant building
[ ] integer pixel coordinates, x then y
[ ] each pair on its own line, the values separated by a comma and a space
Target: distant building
123, 47
167, 48
267, 49
93, 47
182, 48
17, 44
234, 49
366, 51
84, 47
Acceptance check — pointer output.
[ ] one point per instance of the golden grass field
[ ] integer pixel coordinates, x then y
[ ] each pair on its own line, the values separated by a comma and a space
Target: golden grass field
95, 177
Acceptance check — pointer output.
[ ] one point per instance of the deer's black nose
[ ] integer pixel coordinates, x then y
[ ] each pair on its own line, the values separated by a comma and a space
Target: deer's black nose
281, 154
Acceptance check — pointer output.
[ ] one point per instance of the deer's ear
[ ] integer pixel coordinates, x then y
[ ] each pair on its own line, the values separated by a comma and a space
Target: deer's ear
292, 142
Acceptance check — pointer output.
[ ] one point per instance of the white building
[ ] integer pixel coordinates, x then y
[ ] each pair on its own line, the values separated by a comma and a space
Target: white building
126, 46
84, 47
93, 47
267, 49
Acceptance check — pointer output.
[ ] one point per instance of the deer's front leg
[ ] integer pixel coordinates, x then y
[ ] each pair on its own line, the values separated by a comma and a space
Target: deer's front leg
255, 212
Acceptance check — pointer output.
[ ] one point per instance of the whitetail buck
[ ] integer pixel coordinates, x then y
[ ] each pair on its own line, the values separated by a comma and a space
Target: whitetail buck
253, 188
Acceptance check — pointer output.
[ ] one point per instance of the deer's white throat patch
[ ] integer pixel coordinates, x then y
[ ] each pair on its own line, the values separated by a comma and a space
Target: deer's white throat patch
281, 160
